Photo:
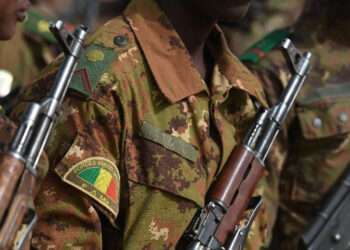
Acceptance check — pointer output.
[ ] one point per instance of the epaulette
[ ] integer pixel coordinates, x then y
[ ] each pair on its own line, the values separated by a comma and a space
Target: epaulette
102, 49
94, 61
38, 24
258, 50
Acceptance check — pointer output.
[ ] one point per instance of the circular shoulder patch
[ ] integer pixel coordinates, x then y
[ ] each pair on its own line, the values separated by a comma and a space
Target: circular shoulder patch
99, 178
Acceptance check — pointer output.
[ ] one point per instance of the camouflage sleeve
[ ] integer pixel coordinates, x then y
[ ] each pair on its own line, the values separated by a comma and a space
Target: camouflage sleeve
84, 143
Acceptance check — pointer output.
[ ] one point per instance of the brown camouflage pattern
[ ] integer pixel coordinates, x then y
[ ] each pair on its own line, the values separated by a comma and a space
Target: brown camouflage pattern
314, 150
7, 130
160, 189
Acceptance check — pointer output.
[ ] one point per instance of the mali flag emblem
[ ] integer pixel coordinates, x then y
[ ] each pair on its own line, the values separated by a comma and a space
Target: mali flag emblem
99, 178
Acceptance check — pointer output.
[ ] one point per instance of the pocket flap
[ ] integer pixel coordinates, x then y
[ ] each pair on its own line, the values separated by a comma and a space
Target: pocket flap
325, 118
89, 168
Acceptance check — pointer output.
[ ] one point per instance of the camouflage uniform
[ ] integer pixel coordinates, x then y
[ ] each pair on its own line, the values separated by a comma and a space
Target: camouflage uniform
141, 136
314, 150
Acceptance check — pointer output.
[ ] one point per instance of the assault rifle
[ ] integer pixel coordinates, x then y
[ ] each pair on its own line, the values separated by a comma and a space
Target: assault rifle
18, 165
216, 225
330, 228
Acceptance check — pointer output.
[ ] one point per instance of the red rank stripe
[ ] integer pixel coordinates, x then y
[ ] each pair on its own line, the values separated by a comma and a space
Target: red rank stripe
85, 78
260, 53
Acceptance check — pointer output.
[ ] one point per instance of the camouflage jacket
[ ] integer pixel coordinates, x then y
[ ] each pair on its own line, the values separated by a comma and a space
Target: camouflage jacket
314, 150
141, 136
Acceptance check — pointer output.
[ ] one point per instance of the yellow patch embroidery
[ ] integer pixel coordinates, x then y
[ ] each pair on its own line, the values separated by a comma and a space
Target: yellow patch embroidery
43, 26
95, 55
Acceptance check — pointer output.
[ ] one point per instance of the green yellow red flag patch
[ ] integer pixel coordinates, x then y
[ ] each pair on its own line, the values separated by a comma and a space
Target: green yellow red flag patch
99, 178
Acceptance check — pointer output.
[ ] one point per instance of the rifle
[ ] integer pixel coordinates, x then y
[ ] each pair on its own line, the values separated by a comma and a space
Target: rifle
330, 228
215, 225
18, 172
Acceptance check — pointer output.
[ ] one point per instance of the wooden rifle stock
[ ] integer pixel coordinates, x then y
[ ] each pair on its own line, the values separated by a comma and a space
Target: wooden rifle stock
18, 187
254, 172
10, 171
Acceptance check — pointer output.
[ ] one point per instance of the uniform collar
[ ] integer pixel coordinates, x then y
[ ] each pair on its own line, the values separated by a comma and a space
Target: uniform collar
178, 78
231, 67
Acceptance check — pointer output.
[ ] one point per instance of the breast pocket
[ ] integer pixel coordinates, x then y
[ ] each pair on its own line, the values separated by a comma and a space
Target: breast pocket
323, 151
165, 163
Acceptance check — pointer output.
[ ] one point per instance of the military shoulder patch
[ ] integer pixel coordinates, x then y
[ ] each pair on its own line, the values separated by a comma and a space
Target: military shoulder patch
92, 65
99, 178
258, 50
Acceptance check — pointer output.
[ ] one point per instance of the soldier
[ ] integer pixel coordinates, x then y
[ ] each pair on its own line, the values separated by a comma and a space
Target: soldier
318, 133
156, 106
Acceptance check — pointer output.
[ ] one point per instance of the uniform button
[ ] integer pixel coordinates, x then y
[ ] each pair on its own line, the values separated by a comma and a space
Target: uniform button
317, 122
343, 117
120, 41
336, 238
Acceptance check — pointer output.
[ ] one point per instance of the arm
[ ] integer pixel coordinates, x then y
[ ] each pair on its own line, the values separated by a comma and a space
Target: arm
18, 164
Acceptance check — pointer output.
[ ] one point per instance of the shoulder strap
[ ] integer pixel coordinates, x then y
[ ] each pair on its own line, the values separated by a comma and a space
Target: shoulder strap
39, 25
91, 66
259, 49
102, 49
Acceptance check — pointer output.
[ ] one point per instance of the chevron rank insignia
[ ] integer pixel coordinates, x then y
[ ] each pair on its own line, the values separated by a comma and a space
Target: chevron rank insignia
92, 65
98, 178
